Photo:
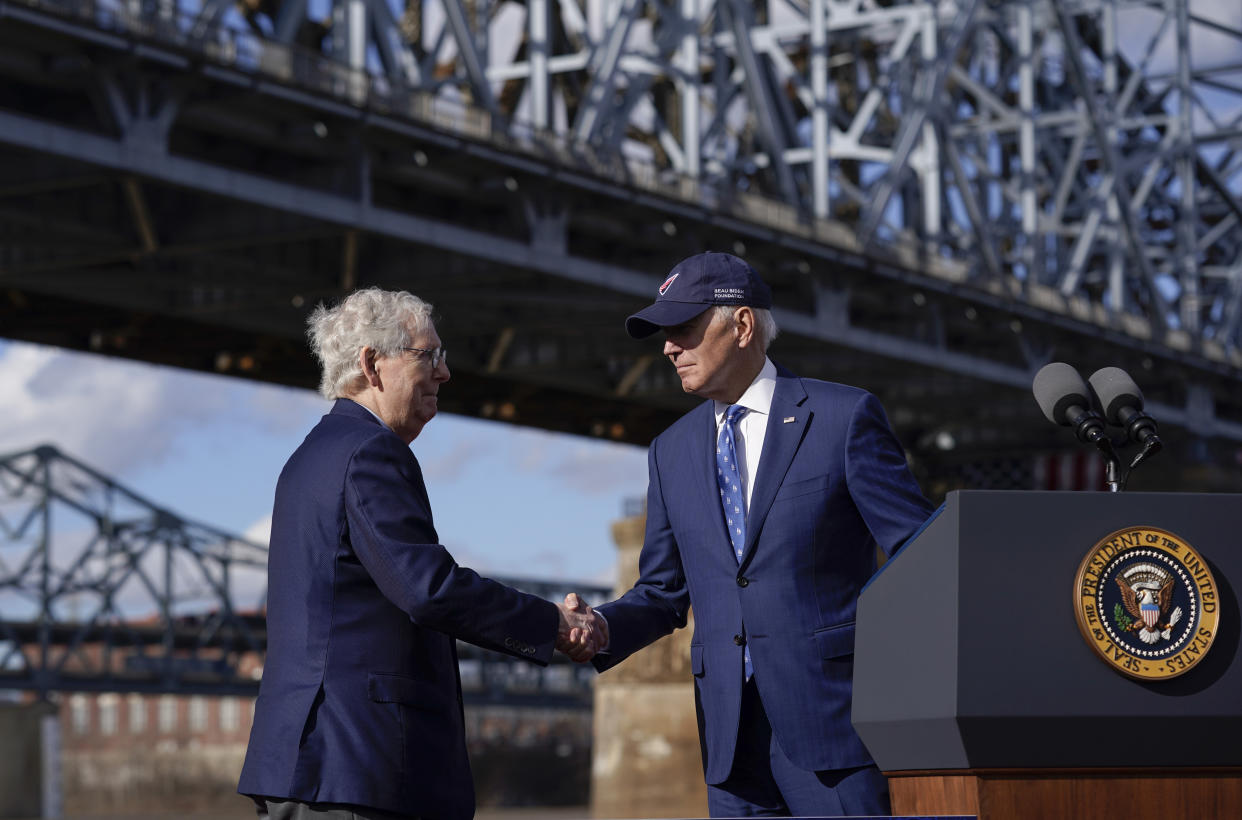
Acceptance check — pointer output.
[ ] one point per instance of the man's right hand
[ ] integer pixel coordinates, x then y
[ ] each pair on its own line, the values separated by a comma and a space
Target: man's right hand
582, 633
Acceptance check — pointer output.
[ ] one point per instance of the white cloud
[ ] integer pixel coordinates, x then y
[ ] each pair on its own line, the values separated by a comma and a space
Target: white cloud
603, 467
590, 466
593, 467
260, 532
452, 464
112, 414
118, 415
249, 588
282, 409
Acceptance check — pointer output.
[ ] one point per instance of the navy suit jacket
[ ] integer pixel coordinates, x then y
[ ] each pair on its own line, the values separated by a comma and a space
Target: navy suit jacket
832, 484
360, 701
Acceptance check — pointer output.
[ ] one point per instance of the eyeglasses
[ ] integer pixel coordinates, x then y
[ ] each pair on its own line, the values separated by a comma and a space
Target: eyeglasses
435, 355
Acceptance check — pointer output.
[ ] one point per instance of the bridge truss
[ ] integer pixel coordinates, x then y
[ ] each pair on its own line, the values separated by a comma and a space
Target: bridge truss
103, 590
945, 195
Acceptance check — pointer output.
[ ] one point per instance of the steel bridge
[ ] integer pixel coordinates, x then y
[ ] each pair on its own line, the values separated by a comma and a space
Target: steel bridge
103, 590
944, 196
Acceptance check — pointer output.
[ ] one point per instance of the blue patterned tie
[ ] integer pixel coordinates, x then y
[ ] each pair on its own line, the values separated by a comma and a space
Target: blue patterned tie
730, 481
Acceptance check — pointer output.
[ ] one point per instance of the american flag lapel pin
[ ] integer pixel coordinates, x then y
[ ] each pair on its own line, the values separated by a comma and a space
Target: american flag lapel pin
789, 419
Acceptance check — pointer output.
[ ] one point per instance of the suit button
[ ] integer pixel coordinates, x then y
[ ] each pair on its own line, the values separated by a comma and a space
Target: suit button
739, 640
743, 581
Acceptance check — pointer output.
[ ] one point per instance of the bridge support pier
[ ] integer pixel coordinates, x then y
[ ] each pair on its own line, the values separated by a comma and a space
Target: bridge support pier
646, 745
30, 784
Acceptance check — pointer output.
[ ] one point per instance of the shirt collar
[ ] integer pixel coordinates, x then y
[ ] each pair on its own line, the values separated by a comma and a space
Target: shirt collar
758, 397
368, 409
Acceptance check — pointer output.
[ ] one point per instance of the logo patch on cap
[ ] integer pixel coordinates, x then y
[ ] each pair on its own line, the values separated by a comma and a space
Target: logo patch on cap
668, 282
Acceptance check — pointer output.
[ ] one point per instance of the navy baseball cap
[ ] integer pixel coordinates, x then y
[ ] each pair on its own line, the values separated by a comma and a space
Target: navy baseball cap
695, 285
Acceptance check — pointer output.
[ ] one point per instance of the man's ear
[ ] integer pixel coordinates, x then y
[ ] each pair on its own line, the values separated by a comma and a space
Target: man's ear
366, 363
744, 326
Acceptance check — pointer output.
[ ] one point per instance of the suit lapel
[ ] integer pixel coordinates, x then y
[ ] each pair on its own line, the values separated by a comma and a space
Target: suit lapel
780, 444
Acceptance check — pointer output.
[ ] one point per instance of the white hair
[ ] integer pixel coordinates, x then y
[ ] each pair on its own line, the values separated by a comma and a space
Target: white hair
765, 324
381, 319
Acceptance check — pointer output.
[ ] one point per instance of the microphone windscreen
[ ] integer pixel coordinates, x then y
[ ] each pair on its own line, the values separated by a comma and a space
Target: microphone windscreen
1115, 390
1058, 387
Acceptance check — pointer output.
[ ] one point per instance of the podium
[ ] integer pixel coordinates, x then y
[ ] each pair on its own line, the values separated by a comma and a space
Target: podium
976, 689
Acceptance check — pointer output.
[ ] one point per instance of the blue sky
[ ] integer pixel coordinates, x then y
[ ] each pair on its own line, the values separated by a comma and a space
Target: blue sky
507, 500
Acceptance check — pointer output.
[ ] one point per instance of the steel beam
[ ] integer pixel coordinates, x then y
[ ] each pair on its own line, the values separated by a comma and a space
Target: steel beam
602, 70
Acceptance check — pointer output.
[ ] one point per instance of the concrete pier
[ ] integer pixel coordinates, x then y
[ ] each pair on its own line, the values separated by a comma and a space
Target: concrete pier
29, 761
647, 761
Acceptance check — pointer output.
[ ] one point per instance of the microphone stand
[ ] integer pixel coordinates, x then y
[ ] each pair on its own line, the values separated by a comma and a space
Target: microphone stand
1090, 429
1113, 475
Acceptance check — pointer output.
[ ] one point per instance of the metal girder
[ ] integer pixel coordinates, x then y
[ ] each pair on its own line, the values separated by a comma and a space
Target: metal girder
399, 63
602, 69
540, 253
928, 88
1118, 188
858, 113
537, 39
759, 94
84, 560
290, 15
470, 58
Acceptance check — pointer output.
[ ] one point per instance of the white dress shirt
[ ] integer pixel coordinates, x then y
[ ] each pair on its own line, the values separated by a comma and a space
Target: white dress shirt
748, 433
751, 428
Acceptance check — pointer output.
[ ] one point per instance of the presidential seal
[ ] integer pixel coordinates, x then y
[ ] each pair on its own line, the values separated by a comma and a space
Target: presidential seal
1146, 602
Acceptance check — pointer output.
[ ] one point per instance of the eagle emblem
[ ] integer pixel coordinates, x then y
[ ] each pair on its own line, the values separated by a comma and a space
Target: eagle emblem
1146, 590
1146, 603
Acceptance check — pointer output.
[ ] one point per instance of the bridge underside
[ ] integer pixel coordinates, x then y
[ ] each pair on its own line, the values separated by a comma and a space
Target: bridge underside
161, 206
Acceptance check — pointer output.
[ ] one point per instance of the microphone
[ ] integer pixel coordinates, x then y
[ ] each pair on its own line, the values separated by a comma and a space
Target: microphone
1063, 396
1122, 403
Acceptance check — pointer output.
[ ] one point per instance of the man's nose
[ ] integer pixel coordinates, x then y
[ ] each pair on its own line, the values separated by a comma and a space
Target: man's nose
442, 373
671, 347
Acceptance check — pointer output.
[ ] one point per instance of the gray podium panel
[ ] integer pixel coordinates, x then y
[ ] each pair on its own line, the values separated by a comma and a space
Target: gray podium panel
968, 654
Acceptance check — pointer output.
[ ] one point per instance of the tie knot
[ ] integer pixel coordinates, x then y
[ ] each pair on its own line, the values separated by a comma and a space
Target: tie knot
733, 413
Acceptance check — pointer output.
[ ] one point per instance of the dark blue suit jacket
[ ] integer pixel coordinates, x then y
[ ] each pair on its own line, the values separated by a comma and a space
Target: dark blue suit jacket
832, 484
360, 701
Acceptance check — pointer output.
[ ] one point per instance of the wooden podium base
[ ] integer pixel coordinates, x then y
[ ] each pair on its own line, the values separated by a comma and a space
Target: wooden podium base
1067, 794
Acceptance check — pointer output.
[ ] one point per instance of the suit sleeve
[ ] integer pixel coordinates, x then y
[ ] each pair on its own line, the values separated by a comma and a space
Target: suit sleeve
391, 533
879, 481
659, 602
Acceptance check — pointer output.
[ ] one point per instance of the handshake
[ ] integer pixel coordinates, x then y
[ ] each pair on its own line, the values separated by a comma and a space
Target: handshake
581, 632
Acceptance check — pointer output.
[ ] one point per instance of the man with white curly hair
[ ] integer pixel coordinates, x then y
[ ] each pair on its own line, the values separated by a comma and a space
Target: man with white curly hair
359, 712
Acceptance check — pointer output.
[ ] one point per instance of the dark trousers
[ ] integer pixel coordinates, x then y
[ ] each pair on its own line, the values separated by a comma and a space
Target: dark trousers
764, 783
272, 809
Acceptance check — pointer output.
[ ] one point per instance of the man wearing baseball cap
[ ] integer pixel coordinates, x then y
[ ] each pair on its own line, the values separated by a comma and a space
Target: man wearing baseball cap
764, 509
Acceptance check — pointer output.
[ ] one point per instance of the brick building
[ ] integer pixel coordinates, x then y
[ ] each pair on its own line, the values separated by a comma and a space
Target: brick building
137, 752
